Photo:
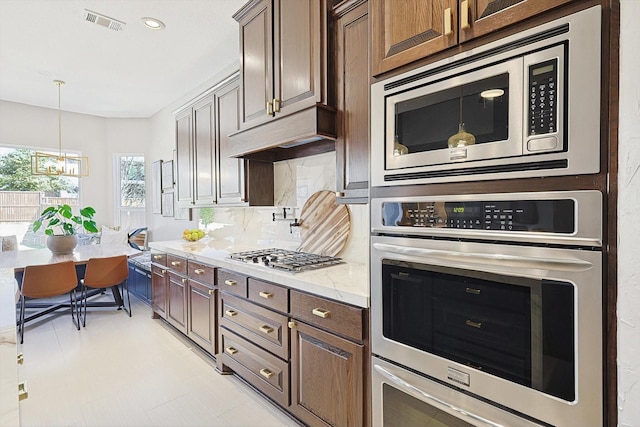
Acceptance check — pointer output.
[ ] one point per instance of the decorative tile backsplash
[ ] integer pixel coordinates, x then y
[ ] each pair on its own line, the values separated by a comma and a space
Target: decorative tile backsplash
295, 181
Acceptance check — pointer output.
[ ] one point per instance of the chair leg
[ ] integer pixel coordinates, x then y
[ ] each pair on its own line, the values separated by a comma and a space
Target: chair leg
84, 305
21, 326
73, 304
126, 285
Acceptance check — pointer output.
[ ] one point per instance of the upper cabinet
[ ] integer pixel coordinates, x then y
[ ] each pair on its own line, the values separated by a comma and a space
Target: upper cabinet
351, 33
405, 31
206, 175
283, 75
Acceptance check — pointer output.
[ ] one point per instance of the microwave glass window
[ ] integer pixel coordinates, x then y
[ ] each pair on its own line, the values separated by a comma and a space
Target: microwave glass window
425, 123
518, 329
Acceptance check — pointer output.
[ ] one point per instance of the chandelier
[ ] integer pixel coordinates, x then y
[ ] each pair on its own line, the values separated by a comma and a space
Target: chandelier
60, 164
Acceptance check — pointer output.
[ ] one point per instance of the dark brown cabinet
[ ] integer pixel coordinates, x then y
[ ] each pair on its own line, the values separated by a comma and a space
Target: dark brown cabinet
159, 279
403, 32
201, 306
283, 74
203, 145
177, 292
351, 33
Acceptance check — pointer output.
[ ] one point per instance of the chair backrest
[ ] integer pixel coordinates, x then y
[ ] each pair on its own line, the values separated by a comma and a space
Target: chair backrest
105, 272
44, 281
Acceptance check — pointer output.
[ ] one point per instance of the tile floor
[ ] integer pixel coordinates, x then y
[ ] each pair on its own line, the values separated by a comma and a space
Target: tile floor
121, 371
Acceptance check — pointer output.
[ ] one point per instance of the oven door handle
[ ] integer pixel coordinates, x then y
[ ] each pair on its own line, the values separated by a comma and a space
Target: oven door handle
439, 403
502, 260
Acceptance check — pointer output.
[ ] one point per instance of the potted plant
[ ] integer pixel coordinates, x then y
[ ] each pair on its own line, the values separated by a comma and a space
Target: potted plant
61, 226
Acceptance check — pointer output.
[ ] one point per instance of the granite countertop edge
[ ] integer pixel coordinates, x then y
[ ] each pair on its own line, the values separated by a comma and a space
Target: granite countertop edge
347, 282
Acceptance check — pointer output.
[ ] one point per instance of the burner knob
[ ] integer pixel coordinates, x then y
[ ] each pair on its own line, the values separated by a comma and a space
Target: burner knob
255, 259
273, 258
266, 262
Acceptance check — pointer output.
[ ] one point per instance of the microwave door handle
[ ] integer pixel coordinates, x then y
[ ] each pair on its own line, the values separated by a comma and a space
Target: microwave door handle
482, 258
438, 403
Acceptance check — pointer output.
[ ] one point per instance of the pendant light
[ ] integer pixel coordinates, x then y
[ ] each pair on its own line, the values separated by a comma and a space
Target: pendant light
462, 138
60, 164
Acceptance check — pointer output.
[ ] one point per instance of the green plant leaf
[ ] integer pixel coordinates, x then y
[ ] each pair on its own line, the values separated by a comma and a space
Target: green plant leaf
36, 225
88, 212
48, 232
90, 226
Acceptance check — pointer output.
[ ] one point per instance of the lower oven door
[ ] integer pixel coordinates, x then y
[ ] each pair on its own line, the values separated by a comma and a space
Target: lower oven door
520, 326
403, 398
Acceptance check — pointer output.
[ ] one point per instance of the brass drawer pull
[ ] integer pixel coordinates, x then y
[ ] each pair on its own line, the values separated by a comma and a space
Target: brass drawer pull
231, 313
291, 324
266, 373
158, 256
22, 391
321, 312
265, 294
474, 324
212, 291
230, 282
448, 19
175, 263
184, 280
472, 291
20, 359
464, 15
198, 271
231, 350
164, 271
266, 329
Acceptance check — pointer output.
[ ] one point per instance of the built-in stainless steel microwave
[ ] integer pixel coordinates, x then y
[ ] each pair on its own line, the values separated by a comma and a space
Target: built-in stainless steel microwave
526, 105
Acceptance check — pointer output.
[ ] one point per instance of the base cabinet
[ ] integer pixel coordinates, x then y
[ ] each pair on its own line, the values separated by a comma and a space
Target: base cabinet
159, 285
317, 397
201, 306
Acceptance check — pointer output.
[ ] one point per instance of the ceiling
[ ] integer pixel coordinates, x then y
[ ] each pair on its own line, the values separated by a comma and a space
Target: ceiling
133, 72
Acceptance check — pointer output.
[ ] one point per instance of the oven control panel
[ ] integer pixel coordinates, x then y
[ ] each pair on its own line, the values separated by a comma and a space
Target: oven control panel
552, 216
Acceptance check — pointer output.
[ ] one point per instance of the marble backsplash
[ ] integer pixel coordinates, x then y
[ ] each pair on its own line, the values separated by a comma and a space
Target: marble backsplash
295, 181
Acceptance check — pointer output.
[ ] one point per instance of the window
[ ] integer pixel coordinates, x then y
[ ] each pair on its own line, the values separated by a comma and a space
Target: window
23, 196
130, 191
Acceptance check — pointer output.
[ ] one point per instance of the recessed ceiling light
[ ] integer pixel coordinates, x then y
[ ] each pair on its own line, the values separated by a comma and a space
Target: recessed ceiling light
153, 23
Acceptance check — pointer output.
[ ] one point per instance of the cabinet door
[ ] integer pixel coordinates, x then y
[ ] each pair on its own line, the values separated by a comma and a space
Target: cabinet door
256, 63
177, 302
297, 33
231, 184
159, 278
405, 31
352, 82
326, 378
184, 160
204, 154
202, 316
478, 17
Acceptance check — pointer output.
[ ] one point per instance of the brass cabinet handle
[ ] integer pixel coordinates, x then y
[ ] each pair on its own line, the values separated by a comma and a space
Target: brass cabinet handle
276, 105
231, 313
474, 324
198, 271
269, 107
291, 324
20, 359
464, 15
266, 329
231, 350
230, 282
321, 312
266, 373
164, 271
184, 280
448, 22
472, 291
22, 391
339, 194
212, 291
265, 294
157, 256
175, 263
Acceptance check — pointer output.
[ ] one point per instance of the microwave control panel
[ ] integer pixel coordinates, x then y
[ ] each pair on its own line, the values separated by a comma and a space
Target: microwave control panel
543, 81
552, 216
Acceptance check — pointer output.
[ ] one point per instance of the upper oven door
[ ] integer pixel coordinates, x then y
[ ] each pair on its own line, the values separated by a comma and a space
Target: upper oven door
473, 116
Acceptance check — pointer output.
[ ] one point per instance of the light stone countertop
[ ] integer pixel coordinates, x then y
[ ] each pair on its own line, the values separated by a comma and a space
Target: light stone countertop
347, 283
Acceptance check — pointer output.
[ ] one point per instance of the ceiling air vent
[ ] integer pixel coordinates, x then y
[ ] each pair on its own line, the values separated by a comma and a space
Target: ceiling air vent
104, 21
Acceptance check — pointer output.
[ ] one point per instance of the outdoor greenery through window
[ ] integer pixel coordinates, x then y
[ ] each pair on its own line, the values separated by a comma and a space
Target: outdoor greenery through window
129, 173
23, 196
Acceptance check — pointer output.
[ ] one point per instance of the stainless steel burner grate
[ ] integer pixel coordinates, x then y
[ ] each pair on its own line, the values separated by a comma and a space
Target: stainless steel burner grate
286, 260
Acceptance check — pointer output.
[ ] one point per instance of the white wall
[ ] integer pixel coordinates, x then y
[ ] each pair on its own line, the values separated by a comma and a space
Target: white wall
629, 219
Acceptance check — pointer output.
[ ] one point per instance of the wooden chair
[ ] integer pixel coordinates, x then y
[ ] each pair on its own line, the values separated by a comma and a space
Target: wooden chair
46, 281
102, 273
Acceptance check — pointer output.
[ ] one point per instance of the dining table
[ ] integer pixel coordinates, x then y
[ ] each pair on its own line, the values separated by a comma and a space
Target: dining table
16, 261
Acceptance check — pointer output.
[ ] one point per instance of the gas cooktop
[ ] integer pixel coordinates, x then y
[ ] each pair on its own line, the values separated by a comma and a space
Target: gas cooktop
286, 260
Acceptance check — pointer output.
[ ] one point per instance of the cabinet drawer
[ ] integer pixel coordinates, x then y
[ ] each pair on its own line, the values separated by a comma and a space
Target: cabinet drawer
159, 258
177, 264
269, 295
264, 371
201, 272
257, 324
231, 282
330, 315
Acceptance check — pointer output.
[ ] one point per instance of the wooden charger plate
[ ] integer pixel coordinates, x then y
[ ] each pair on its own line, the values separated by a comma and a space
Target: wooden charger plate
324, 224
